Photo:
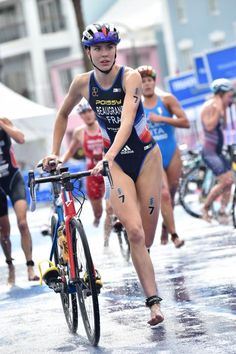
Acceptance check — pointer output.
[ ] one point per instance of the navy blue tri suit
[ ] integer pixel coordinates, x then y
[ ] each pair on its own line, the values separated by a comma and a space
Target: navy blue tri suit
11, 180
107, 104
212, 150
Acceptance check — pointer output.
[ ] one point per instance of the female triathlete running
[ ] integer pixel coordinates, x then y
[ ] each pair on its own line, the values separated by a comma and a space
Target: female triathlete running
114, 93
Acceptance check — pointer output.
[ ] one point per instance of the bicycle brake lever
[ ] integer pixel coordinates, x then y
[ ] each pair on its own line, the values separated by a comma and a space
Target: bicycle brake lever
33, 205
107, 173
31, 184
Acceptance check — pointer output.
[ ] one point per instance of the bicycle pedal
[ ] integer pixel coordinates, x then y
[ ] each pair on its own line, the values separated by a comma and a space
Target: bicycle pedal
45, 230
99, 285
56, 285
51, 276
117, 226
98, 281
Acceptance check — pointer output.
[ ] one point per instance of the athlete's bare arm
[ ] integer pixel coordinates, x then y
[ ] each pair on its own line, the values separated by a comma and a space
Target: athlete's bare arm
210, 116
14, 133
78, 89
180, 119
76, 143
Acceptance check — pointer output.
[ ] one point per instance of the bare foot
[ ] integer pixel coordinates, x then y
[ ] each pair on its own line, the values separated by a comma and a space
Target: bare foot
96, 222
106, 242
177, 241
164, 235
223, 217
11, 275
205, 215
156, 315
31, 274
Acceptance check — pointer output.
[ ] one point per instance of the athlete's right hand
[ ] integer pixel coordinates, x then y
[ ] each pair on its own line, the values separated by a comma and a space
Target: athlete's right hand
50, 162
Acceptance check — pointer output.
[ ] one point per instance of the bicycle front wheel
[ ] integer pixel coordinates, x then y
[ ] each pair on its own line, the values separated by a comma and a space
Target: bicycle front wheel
68, 297
86, 285
124, 244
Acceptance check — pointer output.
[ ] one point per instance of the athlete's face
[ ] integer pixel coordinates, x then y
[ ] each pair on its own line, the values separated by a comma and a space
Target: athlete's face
227, 98
88, 117
102, 55
148, 86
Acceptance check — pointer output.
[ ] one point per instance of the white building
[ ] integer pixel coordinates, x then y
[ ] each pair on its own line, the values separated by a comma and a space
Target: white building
33, 33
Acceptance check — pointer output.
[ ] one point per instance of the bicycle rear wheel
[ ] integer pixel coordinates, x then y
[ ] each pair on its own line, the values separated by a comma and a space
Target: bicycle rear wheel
67, 294
86, 285
233, 210
190, 192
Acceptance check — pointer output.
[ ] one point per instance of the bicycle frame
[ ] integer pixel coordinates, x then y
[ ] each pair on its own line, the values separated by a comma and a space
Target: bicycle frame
67, 212
65, 209
70, 212
73, 275
58, 209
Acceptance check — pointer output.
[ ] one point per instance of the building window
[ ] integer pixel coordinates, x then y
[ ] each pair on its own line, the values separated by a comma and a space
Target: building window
17, 74
66, 79
219, 43
50, 15
234, 28
12, 24
181, 10
214, 7
187, 56
186, 49
217, 38
137, 57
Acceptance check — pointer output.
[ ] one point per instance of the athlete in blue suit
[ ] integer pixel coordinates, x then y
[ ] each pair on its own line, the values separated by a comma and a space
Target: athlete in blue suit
164, 114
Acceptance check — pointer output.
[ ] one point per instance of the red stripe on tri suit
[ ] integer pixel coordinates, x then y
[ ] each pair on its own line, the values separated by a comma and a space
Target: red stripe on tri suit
13, 158
145, 136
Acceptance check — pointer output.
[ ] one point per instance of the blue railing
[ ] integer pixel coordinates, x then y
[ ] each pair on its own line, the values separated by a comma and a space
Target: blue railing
43, 194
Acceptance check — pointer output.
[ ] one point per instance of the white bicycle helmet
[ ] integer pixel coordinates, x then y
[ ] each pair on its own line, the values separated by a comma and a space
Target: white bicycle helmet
83, 106
221, 85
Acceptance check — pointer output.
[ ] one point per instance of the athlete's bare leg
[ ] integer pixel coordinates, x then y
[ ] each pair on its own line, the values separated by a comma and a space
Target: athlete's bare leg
224, 182
137, 207
223, 212
20, 208
171, 178
166, 208
5, 236
225, 198
173, 173
97, 210
108, 223
6, 247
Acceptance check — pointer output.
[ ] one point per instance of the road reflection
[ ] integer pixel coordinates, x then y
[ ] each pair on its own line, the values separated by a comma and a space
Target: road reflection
187, 316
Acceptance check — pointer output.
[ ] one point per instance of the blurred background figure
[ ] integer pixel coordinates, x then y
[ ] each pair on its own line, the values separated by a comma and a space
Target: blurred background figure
12, 185
90, 138
214, 120
164, 114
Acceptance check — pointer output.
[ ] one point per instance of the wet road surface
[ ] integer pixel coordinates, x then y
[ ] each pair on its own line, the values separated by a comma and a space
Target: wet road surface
197, 284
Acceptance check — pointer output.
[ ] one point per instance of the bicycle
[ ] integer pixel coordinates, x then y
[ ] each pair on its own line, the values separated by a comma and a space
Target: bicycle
197, 181
72, 274
122, 236
232, 150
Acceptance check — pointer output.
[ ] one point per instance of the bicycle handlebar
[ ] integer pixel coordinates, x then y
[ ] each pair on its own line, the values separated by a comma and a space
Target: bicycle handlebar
62, 177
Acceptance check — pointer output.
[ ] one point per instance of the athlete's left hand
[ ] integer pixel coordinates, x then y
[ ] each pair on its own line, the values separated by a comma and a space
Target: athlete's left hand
99, 167
155, 118
3, 122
